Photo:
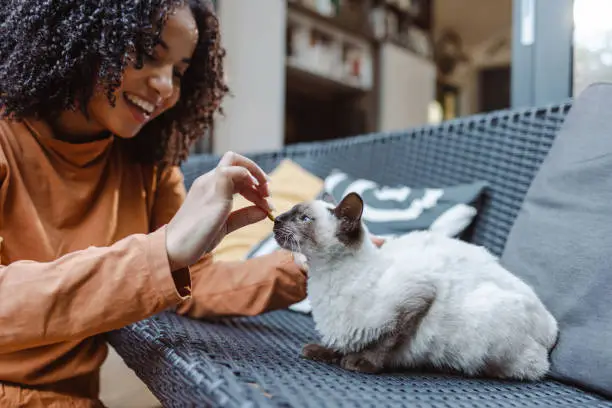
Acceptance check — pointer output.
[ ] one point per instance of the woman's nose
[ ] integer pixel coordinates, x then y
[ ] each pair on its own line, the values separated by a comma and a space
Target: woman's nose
162, 82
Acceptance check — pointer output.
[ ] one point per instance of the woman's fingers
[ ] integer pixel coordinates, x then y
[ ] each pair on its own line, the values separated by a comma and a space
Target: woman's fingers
241, 181
256, 198
260, 179
243, 217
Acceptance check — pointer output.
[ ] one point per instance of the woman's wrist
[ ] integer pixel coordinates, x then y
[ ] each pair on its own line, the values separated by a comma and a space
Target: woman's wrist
182, 281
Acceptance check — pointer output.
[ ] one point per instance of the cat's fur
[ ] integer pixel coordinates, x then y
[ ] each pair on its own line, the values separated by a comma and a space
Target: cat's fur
420, 301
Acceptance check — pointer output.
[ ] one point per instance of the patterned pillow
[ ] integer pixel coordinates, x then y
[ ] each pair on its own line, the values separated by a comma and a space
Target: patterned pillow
391, 211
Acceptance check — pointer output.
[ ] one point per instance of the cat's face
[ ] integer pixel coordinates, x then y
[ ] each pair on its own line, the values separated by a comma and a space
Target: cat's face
319, 227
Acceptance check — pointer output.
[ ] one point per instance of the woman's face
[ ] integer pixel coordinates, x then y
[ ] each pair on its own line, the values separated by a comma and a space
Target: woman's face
147, 92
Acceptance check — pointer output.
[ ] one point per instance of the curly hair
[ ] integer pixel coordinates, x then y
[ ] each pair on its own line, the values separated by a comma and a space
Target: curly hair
52, 49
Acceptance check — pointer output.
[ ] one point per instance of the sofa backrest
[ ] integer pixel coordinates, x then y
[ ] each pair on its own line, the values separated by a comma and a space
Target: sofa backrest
503, 148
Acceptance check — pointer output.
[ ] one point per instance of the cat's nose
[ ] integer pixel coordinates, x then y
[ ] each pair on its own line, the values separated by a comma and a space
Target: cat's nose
278, 220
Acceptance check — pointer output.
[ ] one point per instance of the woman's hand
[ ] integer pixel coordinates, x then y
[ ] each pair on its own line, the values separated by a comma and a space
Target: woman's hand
205, 217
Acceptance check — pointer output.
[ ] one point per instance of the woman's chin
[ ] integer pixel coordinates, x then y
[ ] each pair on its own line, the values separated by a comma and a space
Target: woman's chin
127, 123
126, 130
125, 136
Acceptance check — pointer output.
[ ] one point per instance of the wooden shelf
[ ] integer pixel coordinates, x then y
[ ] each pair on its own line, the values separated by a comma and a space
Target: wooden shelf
398, 9
311, 82
322, 106
361, 32
422, 20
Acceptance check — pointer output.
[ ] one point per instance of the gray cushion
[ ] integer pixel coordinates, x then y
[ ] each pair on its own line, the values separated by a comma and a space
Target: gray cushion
561, 242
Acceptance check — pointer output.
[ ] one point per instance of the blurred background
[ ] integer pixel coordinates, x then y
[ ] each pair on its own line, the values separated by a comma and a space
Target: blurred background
309, 70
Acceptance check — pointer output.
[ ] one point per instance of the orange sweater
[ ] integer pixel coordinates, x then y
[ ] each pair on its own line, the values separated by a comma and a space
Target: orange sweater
82, 252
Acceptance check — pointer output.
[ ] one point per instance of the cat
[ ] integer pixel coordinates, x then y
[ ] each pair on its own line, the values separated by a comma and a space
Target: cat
422, 300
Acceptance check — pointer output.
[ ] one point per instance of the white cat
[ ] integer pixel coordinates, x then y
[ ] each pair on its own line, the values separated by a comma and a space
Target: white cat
420, 301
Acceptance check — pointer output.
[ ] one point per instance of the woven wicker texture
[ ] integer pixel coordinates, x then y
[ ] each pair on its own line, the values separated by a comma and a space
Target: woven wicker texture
255, 362
192, 364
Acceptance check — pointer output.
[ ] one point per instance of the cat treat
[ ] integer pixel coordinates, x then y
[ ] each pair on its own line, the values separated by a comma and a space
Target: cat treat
423, 300
268, 214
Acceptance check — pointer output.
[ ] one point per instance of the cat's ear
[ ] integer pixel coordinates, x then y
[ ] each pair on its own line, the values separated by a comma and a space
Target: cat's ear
350, 208
328, 198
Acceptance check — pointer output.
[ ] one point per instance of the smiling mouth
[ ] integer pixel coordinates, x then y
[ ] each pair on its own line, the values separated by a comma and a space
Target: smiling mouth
146, 108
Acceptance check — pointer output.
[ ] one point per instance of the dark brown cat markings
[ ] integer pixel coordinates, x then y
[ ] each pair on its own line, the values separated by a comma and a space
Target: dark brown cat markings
373, 358
317, 352
294, 215
349, 212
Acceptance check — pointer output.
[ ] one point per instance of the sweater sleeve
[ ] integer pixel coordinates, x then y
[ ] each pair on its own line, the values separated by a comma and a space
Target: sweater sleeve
242, 288
70, 298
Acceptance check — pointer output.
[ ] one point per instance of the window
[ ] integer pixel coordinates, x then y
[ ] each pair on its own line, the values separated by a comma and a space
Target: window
592, 55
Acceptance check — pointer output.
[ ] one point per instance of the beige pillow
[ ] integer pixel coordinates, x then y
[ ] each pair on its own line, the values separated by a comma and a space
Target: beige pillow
290, 184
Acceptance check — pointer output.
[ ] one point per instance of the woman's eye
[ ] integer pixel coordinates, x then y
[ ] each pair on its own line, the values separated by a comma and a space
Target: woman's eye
305, 218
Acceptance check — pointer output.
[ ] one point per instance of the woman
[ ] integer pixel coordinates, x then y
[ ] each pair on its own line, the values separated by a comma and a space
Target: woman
100, 101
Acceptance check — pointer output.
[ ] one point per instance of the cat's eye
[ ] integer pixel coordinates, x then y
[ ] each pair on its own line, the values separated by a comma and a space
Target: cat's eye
305, 218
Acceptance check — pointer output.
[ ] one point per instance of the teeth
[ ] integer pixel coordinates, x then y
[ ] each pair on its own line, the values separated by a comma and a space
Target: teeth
141, 103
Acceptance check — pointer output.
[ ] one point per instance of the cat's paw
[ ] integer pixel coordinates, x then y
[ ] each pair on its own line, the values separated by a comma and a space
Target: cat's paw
317, 352
301, 261
358, 362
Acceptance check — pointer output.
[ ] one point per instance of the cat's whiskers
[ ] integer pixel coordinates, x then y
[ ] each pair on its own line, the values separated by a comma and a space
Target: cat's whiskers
293, 241
288, 237
297, 244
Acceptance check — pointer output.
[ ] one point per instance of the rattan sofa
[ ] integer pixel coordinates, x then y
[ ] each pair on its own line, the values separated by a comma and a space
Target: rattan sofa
254, 362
